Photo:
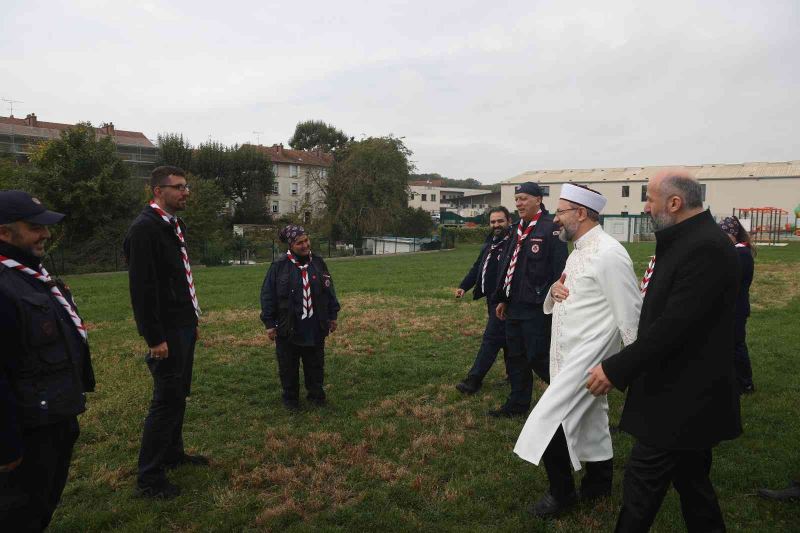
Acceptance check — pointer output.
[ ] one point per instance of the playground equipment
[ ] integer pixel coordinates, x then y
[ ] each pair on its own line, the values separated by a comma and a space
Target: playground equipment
767, 225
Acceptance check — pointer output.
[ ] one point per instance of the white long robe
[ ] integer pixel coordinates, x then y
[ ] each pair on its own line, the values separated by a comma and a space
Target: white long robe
599, 315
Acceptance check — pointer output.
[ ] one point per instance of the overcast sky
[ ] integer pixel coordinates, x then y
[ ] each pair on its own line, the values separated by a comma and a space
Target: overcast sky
481, 90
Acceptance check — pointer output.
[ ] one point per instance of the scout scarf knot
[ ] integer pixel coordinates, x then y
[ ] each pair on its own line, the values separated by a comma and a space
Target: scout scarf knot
647, 275
45, 278
521, 236
173, 221
308, 310
492, 248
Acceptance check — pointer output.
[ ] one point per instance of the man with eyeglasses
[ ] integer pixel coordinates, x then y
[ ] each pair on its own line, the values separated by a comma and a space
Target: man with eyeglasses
166, 310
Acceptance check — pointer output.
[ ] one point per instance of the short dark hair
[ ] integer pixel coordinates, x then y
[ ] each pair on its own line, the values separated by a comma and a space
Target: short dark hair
160, 174
500, 209
687, 189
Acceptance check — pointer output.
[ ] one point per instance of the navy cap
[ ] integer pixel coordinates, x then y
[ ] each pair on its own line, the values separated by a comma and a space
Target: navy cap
528, 187
19, 205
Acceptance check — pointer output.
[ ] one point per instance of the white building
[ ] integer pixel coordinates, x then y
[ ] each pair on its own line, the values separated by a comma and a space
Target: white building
300, 177
433, 196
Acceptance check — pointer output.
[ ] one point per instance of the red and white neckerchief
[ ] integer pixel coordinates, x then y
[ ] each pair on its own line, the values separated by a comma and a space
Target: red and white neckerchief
742, 245
647, 275
173, 221
308, 310
492, 248
45, 278
521, 236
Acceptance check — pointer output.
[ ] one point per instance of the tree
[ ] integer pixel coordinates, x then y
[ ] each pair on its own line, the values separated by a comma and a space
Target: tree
414, 223
202, 213
174, 150
317, 135
368, 187
82, 175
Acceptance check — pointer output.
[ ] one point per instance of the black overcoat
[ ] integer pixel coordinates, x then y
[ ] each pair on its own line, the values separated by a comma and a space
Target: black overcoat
679, 373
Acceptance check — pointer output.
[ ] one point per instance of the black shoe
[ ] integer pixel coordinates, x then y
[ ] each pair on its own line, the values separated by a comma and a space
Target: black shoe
186, 459
319, 402
792, 492
591, 494
162, 491
470, 385
502, 412
291, 405
548, 507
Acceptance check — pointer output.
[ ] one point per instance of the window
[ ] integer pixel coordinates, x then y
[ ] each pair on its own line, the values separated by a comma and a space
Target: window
292, 171
703, 192
433, 197
424, 197
308, 197
295, 188
274, 170
323, 173
275, 207
644, 193
626, 191
276, 187
295, 206
545, 190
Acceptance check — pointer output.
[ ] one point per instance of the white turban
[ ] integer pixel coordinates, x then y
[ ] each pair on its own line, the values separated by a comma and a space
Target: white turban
581, 196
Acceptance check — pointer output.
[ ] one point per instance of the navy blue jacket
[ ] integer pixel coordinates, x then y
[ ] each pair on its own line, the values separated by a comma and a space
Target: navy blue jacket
473, 277
743, 299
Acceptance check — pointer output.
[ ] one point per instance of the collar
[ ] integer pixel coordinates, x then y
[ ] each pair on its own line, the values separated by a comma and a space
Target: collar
668, 235
20, 256
588, 237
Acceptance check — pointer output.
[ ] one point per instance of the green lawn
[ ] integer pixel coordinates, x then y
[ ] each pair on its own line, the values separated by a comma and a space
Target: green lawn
398, 448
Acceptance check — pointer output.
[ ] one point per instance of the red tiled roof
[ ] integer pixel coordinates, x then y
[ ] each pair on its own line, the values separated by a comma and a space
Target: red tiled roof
52, 130
278, 154
432, 183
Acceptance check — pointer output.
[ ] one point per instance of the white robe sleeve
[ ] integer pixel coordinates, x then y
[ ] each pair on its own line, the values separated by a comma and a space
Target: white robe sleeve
618, 280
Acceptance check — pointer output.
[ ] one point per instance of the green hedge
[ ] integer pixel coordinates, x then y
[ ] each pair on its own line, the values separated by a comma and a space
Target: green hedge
469, 235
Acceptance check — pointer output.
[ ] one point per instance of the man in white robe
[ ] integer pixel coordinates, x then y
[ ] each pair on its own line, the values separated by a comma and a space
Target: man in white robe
595, 307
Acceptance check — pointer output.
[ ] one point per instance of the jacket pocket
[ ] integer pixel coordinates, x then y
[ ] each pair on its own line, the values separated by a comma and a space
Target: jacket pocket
43, 333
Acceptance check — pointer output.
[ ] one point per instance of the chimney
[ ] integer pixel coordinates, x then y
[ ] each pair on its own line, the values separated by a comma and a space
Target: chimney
108, 128
31, 120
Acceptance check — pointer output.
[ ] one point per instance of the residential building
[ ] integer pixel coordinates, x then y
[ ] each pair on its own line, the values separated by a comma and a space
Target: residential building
726, 187
300, 179
18, 136
433, 196
475, 205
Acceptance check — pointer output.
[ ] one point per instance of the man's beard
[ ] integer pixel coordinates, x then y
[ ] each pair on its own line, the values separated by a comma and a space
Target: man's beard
662, 221
567, 234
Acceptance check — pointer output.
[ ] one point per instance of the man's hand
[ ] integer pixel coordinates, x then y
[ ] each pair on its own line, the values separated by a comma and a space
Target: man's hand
559, 292
272, 333
500, 311
159, 351
459, 293
332, 326
598, 383
11, 466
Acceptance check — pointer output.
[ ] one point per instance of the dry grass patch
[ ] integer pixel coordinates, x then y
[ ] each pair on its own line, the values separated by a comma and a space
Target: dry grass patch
111, 477
774, 286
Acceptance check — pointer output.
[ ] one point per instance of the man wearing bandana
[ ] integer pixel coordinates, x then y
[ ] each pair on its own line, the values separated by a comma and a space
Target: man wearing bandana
483, 276
299, 309
532, 262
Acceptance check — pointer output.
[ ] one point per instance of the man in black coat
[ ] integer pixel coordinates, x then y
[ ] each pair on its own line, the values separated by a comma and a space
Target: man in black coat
682, 394
166, 311
299, 308
531, 263
45, 369
483, 276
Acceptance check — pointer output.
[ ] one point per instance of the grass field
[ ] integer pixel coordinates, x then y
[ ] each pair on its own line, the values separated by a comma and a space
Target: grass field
397, 448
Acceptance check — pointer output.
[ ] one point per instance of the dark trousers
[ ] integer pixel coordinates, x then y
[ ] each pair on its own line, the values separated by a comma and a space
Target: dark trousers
162, 438
528, 342
29, 494
648, 475
494, 339
741, 356
558, 466
289, 356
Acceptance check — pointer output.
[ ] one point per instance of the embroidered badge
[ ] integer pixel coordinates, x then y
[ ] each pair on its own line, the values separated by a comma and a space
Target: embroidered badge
535, 248
327, 283
556, 233
49, 328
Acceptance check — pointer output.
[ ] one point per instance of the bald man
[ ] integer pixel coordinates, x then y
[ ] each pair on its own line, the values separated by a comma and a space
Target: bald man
682, 397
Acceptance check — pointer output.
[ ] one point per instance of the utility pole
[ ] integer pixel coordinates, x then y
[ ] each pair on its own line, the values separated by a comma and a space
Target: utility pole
258, 137
11, 103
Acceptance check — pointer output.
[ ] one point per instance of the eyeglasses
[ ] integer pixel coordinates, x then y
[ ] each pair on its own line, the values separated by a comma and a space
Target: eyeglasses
559, 212
182, 187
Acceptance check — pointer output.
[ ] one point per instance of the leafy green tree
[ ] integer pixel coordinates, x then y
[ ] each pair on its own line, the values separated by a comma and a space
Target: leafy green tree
413, 223
316, 134
174, 150
368, 187
16, 176
81, 174
202, 214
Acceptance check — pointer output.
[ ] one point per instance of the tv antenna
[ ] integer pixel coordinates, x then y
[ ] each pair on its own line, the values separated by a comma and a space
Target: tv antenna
258, 137
11, 103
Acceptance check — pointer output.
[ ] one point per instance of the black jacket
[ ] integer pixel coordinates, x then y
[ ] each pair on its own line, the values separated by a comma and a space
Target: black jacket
540, 263
282, 295
45, 367
159, 291
743, 299
679, 373
473, 277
